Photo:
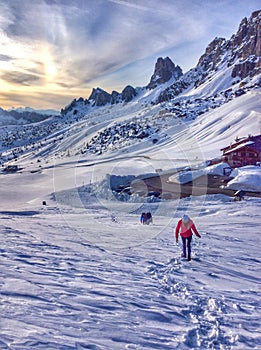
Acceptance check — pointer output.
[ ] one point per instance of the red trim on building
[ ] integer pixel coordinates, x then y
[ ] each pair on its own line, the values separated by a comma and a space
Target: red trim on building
245, 151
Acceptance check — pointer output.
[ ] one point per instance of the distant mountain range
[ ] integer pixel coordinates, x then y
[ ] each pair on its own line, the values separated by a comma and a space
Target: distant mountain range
25, 115
239, 58
227, 70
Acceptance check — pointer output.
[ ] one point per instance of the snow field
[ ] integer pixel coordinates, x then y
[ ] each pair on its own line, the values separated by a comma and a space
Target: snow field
82, 273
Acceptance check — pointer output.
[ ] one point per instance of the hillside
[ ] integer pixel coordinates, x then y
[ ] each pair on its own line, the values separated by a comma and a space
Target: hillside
155, 115
79, 270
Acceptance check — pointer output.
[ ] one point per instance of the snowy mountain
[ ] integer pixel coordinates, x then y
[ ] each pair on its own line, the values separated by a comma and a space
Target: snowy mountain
227, 69
151, 114
192, 115
24, 115
79, 270
165, 69
236, 62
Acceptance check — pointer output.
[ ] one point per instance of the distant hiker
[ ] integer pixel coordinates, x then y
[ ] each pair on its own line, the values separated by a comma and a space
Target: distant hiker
239, 195
146, 218
149, 218
185, 226
143, 218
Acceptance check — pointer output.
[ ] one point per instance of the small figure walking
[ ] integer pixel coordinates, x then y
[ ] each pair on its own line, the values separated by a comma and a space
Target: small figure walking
146, 218
149, 218
143, 218
185, 226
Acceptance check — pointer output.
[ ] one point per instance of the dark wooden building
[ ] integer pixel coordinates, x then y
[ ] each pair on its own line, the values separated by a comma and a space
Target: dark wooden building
245, 151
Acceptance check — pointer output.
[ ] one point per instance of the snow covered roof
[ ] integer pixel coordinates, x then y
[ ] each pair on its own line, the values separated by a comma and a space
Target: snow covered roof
238, 147
253, 143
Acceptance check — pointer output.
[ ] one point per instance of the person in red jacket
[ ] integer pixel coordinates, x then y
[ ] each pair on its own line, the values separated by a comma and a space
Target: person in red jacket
184, 227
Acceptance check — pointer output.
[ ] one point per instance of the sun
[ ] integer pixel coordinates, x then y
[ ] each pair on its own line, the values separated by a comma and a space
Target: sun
49, 64
50, 70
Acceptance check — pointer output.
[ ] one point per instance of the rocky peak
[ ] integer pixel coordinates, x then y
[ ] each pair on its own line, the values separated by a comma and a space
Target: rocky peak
247, 39
164, 70
246, 47
115, 97
128, 93
213, 54
100, 97
243, 50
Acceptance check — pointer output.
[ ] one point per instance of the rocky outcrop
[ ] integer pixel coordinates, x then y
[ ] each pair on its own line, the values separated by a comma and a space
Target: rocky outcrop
100, 97
115, 97
247, 39
246, 47
172, 91
213, 54
242, 52
128, 93
164, 70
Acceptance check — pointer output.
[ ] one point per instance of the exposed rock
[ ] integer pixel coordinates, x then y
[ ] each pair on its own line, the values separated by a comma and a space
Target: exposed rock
248, 34
213, 54
115, 97
173, 90
100, 97
242, 51
164, 70
246, 47
245, 69
128, 93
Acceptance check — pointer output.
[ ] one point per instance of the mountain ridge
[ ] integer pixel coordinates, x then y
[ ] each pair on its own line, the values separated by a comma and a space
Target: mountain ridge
242, 52
96, 125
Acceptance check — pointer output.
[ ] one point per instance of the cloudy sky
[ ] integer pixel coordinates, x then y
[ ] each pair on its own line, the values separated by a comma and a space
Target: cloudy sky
55, 50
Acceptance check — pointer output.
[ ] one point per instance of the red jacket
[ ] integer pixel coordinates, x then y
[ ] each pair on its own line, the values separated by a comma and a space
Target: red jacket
185, 230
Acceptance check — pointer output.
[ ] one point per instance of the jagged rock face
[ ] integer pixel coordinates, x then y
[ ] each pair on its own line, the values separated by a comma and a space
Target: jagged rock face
246, 46
115, 97
249, 35
212, 56
164, 70
128, 93
242, 53
100, 97
172, 91
243, 49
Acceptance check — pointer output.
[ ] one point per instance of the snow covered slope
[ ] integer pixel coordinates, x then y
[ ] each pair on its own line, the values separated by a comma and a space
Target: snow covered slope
82, 273
79, 271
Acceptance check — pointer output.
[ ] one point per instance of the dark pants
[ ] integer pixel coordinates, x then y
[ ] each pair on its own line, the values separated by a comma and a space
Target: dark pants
187, 243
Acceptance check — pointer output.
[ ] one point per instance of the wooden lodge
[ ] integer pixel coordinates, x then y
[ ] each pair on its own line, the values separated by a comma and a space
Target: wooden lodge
245, 151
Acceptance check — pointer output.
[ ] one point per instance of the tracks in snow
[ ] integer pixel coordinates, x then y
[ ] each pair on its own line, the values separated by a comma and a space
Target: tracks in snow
209, 319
